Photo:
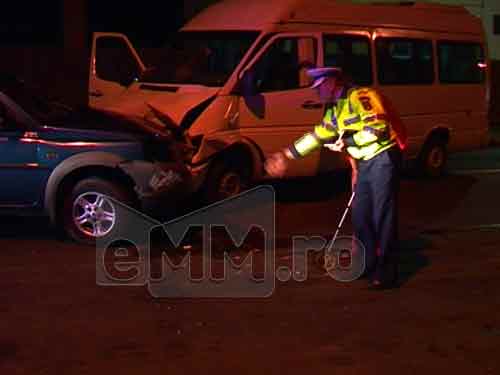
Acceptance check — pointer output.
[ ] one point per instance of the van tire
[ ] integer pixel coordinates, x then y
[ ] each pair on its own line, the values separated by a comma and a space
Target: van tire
90, 188
431, 162
226, 179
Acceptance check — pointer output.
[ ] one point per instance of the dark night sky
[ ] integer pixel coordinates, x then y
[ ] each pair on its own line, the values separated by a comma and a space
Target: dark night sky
33, 22
146, 22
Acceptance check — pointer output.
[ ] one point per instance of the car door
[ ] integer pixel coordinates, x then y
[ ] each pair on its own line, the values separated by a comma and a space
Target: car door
284, 106
21, 176
114, 65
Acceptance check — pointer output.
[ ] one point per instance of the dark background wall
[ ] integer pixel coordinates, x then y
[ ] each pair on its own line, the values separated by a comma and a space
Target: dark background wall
32, 38
47, 43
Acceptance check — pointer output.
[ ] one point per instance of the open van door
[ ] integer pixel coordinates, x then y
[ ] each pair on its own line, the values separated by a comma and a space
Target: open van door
114, 65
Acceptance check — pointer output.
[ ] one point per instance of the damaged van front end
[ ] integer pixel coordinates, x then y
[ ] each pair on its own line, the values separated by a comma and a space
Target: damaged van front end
186, 94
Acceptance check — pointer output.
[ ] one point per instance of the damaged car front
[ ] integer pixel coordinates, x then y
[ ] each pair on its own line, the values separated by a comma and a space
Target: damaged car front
74, 165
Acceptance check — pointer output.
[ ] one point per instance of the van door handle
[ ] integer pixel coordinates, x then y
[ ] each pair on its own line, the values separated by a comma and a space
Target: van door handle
309, 104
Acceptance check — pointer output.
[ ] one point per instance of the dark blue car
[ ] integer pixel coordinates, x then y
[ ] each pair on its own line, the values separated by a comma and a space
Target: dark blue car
65, 164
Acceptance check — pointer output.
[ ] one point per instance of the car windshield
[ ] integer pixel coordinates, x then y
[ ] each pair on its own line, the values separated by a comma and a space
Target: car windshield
200, 58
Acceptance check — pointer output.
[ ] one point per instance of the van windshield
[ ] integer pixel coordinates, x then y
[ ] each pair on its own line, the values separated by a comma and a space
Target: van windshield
200, 58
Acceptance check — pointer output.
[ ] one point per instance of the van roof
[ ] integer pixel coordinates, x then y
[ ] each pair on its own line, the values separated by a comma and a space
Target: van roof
262, 14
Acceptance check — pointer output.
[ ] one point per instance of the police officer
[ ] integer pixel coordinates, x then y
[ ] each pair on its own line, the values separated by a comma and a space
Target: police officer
358, 119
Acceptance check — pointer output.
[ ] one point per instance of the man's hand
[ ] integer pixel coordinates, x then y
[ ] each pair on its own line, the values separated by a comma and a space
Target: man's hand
337, 146
276, 165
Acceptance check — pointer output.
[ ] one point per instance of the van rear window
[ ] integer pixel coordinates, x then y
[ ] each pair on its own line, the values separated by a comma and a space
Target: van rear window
461, 62
405, 61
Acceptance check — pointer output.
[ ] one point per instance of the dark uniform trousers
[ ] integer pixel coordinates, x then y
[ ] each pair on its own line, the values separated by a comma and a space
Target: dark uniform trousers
375, 213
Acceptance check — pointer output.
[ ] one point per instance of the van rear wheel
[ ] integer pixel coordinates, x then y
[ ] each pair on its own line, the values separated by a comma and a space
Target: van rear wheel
432, 159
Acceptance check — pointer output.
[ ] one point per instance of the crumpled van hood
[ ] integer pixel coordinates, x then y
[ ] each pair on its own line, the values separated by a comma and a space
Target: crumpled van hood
137, 103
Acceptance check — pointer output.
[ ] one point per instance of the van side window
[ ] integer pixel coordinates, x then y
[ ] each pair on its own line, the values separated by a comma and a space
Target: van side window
281, 66
460, 62
114, 61
352, 54
405, 61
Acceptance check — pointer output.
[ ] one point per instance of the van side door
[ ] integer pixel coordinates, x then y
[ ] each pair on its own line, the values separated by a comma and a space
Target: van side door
114, 65
280, 106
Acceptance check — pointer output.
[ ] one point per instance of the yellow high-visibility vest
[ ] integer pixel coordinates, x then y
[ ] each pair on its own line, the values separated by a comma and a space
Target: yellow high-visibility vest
362, 117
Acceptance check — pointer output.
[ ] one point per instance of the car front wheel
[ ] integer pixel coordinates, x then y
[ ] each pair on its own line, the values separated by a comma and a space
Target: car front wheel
88, 213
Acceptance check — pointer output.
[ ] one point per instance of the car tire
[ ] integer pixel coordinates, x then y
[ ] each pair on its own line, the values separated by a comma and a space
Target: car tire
432, 160
87, 213
225, 180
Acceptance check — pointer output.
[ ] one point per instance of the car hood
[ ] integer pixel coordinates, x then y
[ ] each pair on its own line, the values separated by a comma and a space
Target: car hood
150, 102
95, 123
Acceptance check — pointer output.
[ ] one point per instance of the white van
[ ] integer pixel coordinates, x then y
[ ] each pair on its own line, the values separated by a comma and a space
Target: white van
233, 82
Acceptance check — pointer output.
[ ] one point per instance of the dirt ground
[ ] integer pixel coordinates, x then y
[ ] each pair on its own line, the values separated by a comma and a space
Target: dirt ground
444, 318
